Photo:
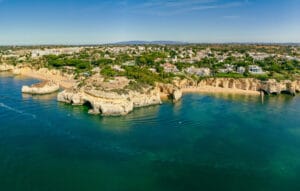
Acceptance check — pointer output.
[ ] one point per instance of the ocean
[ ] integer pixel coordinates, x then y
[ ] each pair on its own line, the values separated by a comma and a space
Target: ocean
204, 142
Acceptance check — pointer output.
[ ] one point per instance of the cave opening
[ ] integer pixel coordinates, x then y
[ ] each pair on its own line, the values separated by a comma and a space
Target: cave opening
88, 105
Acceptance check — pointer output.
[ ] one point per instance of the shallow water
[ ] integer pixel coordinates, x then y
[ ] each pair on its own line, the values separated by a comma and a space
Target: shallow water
204, 142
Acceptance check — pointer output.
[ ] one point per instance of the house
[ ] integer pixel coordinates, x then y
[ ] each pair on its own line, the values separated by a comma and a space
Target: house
241, 70
170, 68
259, 55
254, 69
198, 71
228, 68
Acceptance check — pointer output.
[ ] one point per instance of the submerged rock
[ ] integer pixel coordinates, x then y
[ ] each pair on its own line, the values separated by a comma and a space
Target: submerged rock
45, 87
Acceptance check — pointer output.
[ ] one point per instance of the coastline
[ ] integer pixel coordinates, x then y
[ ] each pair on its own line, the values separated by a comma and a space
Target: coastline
65, 82
114, 104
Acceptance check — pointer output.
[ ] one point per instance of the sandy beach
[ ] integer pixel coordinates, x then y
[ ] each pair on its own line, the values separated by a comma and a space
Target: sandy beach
210, 89
45, 74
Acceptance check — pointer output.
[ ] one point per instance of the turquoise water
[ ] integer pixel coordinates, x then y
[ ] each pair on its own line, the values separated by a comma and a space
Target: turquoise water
204, 142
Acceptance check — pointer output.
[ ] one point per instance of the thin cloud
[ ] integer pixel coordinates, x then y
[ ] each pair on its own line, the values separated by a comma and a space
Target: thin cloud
166, 8
169, 8
172, 4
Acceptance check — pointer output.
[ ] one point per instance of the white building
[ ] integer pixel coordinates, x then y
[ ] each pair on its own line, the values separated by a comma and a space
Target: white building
241, 70
55, 51
254, 69
228, 68
170, 68
259, 55
198, 71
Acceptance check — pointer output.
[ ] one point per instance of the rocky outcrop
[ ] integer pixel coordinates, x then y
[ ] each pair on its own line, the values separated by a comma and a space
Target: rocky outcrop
247, 84
6, 67
170, 90
63, 79
286, 86
45, 87
177, 95
110, 103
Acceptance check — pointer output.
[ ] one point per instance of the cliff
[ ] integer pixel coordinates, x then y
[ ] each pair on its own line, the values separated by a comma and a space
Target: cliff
247, 84
45, 87
108, 102
63, 79
170, 91
6, 67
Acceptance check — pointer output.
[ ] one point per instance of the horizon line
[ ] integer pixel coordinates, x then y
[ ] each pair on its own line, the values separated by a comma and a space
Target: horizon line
144, 42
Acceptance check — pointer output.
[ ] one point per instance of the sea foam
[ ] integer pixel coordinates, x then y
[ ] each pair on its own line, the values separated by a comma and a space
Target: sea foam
16, 110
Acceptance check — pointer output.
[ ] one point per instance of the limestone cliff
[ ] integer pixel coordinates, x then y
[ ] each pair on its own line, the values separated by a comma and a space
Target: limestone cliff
6, 67
249, 84
108, 102
170, 90
45, 87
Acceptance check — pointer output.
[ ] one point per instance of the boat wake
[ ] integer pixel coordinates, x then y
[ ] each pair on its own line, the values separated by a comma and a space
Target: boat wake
16, 110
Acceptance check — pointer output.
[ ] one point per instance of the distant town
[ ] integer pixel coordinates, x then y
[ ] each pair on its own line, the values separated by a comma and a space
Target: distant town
163, 61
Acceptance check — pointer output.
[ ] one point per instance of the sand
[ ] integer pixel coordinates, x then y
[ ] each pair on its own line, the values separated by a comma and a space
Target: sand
210, 89
44, 74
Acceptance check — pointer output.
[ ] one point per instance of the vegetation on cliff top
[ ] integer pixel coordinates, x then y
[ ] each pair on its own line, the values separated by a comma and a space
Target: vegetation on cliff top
144, 64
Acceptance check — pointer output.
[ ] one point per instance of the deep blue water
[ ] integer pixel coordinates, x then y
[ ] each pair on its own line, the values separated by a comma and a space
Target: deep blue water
205, 142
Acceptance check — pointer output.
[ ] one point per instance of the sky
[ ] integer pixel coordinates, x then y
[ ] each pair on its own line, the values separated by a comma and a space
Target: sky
31, 22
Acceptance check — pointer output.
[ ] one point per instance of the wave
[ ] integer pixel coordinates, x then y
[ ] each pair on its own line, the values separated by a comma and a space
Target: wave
16, 110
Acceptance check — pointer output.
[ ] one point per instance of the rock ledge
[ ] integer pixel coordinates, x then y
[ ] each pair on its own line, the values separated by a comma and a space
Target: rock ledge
45, 87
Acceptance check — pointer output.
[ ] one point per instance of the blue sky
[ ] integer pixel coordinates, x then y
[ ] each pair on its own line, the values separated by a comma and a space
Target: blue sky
95, 21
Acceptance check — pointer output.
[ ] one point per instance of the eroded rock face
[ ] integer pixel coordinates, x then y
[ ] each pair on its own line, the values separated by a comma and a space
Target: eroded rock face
243, 84
6, 67
151, 97
177, 95
110, 103
172, 91
270, 86
274, 87
45, 87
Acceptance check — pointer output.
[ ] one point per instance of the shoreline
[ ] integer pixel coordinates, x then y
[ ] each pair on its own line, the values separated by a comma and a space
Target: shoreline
61, 80
66, 83
45, 75
218, 90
